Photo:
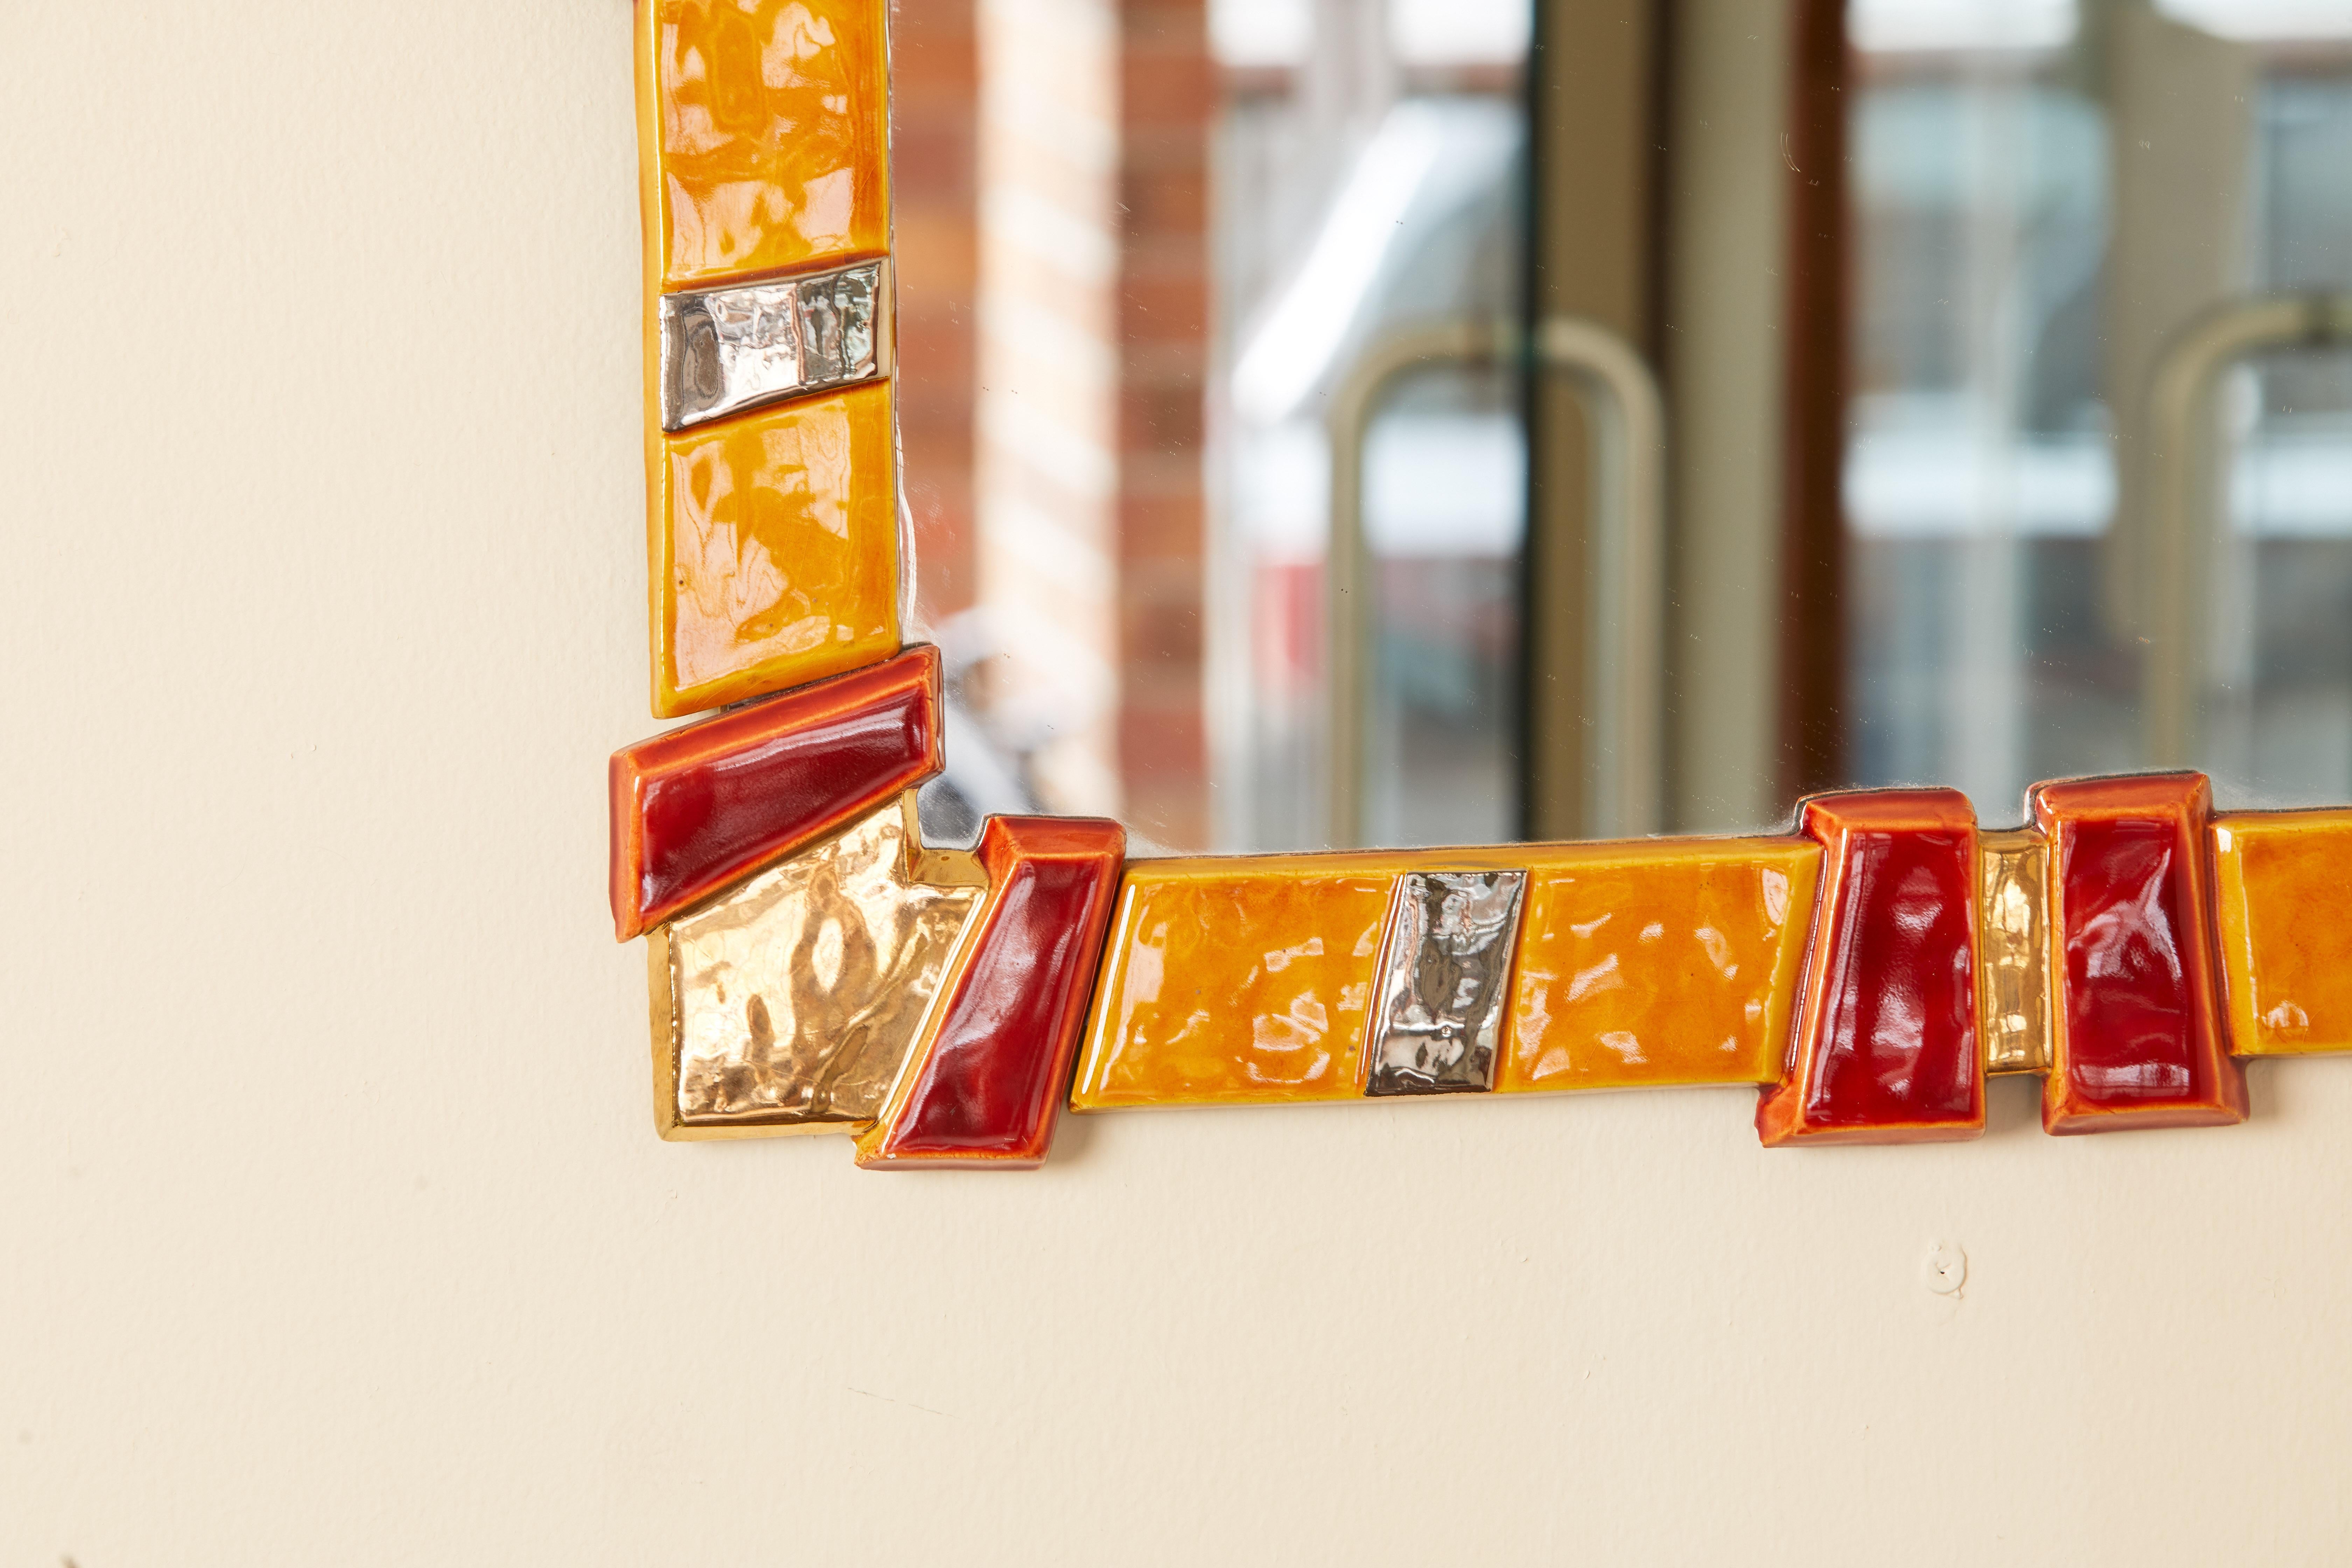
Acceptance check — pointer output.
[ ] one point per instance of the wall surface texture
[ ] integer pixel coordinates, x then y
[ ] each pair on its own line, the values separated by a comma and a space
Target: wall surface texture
334, 1224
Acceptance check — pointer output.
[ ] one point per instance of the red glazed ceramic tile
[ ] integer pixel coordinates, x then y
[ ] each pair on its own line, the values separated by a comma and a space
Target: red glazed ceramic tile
1886, 1041
2139, 1039
987, 1087
696, 808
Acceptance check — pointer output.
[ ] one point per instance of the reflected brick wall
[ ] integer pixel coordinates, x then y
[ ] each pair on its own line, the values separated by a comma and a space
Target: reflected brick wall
934, 57
1052, 234
1168, 98
1047, 417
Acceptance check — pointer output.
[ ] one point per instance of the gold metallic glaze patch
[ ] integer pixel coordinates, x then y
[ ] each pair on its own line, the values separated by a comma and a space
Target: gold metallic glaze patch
2012, 973
790, 1002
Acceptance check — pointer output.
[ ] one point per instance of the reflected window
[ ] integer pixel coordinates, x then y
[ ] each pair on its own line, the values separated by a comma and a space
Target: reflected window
2047, 198
1369, 170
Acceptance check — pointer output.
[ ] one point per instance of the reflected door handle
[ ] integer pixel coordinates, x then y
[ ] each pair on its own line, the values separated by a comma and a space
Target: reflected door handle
2174, 589
1625, 608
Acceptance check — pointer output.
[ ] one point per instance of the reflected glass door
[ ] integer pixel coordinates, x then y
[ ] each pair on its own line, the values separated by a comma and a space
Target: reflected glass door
2059, 211
1368, 185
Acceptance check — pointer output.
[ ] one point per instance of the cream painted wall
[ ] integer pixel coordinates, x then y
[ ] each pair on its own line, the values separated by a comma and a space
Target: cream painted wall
335, 1229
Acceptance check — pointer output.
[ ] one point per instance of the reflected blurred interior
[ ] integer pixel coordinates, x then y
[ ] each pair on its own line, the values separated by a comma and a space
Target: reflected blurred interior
1909, 276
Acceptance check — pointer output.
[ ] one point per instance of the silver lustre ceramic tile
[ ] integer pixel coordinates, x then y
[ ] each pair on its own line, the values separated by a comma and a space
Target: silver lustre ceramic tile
1440, 985
727, 350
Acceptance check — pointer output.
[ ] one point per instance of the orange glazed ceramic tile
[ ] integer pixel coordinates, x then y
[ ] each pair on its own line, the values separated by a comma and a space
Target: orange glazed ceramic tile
2286, 949
774, 551
1669, 963
763, 134
1233, 981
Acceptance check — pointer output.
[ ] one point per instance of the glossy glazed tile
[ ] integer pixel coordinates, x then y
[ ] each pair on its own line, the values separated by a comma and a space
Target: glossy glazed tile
2137, 1038
2286, 947
763, 134
1887, 1047
1236, 981
1666, 963
747, 346
790, 1004
774, 550
987, 1081
696, 808
1442, 982
2012, 966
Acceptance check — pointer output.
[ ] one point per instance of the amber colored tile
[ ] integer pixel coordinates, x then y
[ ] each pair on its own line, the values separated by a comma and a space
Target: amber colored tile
2286, 949
774, 544
763, 134
1234, 981
1665, 963
1243, 980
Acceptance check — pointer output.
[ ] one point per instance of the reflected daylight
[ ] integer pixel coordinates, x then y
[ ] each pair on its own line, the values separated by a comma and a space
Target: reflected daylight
1393, 422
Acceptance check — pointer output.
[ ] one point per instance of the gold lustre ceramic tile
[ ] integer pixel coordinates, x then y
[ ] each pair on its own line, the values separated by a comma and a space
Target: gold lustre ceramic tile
788, 1004
2012, 962
774, 550
1660, 962
763, 134
2286, 948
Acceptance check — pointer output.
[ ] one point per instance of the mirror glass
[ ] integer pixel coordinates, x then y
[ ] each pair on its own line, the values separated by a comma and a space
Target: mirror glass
2058, 209
1274, 374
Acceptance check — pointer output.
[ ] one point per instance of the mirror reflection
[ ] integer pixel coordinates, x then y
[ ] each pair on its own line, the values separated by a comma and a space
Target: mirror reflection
1404, 422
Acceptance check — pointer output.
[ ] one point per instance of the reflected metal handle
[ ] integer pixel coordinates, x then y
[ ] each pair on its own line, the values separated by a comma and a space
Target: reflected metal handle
2180, 522
1625, 585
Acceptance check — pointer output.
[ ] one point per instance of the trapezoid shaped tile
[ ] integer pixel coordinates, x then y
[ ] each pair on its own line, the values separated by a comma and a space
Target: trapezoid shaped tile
987, 1083
701, 805
791, 1004
1887, 1048
2137, 1033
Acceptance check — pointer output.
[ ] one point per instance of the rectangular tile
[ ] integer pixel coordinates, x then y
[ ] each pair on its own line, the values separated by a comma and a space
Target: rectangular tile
763, 135
746, 345
774, 550
2012, 966
1660, 963
1442, 982
2286, 946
